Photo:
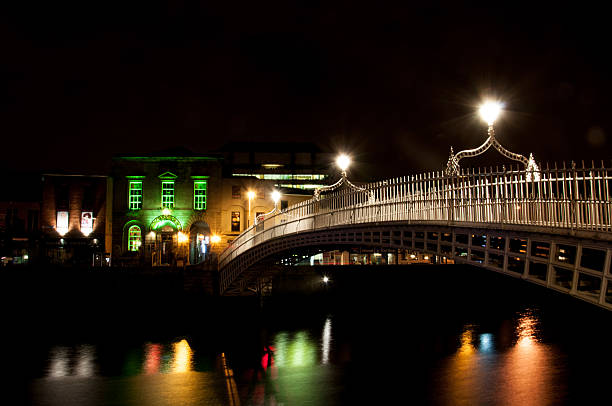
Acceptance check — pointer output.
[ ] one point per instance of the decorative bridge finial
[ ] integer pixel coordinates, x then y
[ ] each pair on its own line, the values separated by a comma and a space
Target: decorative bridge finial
489, 111
452, 166
343, 161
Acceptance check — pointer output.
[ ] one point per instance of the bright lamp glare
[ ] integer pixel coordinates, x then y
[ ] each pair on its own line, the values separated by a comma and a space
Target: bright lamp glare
251, 194
343, 161
276, 196
489, 111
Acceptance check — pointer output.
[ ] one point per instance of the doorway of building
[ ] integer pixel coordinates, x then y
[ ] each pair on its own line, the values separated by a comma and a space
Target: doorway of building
199, 242
166, 246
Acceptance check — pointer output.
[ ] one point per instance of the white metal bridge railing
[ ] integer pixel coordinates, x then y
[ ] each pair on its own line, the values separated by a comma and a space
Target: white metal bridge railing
567, 197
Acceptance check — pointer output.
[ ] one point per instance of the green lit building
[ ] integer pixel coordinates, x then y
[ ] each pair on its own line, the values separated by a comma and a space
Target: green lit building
178, 208
163, 213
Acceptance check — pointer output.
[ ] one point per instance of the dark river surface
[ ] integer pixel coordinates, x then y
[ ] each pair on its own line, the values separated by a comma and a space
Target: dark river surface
439, 335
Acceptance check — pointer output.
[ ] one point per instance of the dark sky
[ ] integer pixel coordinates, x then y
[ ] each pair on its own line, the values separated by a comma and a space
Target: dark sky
395, 85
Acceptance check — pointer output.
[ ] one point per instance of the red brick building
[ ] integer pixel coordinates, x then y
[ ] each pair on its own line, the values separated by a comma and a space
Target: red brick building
75, 211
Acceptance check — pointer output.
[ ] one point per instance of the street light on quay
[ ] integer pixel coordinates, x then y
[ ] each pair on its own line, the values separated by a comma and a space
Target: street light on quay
250, 195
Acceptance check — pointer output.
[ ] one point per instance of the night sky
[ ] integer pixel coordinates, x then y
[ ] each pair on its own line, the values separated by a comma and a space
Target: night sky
394, 85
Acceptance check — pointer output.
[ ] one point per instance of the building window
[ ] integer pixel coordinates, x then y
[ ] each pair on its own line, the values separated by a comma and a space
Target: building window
168, 194
284, 204
235, 192
134, 236
199, 195
235, 221
135, 195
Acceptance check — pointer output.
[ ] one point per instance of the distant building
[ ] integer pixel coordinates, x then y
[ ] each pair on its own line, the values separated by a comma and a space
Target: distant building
75, 219
20, 219
286, 164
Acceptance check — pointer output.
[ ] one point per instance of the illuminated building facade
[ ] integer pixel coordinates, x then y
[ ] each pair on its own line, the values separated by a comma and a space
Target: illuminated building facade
176, 209
74, 213
165, 208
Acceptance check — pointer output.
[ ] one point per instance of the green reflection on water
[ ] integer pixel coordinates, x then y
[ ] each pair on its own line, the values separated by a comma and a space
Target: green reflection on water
297, 351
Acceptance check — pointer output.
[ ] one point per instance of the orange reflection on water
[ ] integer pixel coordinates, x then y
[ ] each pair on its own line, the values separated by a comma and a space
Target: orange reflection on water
182, 356
467, 344
462, 372
527, 372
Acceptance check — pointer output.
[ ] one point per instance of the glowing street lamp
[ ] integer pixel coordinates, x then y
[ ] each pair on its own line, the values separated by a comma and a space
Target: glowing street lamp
489, 111
276, 197
214, 239
343, 161
182, 238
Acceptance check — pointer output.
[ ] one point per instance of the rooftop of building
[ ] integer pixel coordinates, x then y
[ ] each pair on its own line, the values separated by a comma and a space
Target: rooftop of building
169, 154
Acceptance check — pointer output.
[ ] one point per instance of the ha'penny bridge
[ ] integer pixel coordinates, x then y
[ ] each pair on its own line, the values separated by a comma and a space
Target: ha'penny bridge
547, 224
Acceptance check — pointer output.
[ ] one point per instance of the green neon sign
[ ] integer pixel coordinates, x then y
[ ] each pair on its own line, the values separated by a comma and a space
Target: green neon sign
165, 220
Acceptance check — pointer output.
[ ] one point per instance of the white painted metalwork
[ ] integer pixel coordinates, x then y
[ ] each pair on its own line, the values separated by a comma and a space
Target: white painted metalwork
343, 181
562, 199
531, 168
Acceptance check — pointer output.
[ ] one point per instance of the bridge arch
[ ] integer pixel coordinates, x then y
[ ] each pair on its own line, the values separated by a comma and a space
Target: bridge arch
555, 231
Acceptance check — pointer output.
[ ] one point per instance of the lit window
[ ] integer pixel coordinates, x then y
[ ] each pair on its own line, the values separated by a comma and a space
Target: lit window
135, 195
235, 192
134, 238
199, 195
235, 221
168, 194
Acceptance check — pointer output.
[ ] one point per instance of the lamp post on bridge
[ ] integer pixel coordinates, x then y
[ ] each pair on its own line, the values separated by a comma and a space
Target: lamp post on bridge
343, 161
489, 111
275, 198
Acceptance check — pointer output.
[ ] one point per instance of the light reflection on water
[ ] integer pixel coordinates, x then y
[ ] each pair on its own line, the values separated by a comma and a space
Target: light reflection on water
80, 361
522, 374
68, 361
506, 364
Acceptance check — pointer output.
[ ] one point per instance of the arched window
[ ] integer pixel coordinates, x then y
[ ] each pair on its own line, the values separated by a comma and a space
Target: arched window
134, 240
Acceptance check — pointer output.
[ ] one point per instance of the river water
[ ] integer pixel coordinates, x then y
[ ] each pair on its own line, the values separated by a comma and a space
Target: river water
431, 335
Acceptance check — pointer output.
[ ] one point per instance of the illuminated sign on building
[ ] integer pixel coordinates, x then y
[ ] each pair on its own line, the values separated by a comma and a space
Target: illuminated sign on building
86, 222
61, 224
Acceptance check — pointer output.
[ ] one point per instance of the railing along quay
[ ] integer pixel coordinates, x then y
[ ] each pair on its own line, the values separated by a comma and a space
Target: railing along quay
565, 197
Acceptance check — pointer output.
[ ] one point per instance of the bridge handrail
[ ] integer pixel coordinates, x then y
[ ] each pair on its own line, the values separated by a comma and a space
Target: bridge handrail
566, 197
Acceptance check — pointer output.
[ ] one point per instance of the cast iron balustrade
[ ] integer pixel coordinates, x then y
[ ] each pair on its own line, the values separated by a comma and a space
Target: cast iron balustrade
560, 198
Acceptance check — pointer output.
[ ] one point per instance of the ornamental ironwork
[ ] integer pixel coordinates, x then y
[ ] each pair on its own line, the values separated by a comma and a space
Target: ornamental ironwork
342, 181
531, 168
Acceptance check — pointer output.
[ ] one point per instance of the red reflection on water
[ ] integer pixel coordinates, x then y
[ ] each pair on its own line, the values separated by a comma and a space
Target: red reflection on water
153, 353
267, 360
